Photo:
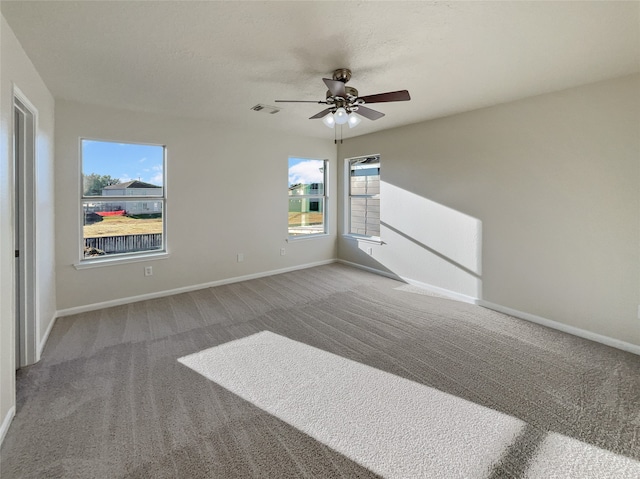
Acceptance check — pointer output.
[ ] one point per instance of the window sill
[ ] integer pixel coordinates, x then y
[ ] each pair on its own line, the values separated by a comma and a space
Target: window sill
363, 239
307, 237
98, 263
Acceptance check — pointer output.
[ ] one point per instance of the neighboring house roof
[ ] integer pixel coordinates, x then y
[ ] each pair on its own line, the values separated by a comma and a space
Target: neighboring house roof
311, 186
131, 184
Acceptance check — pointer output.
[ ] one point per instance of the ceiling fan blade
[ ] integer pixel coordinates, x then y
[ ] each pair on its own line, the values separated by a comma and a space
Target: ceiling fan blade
369, 113
336, 87
321, 114
299, 101
401, 95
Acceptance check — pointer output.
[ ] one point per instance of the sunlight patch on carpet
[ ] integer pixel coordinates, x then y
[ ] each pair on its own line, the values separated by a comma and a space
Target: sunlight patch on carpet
393, 426
565, 457
388, 424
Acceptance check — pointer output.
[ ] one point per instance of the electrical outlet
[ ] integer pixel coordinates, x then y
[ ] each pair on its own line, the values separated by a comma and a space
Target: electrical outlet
240, 257
283, 251
638, 311
369, 251
148, 270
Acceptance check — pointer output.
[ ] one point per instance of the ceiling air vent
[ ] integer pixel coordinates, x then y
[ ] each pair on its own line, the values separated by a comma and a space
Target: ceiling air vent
265, 108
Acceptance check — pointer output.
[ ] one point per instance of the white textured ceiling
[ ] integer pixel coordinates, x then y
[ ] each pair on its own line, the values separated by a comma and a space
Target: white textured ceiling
215, 60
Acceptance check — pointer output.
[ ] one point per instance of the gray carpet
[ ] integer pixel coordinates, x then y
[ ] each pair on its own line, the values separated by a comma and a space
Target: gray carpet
110, 398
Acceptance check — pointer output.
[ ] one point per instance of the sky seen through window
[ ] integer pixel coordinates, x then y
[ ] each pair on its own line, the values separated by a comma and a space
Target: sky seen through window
305, 171
125, 161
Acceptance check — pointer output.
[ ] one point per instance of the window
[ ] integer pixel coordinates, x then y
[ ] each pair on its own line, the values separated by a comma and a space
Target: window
364, 196
307, 197
118, 217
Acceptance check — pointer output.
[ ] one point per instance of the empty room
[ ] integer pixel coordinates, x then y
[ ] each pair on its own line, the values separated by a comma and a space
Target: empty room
320, 239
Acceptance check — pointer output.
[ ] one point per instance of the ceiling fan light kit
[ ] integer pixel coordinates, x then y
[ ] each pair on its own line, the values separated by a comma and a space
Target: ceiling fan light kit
344, 103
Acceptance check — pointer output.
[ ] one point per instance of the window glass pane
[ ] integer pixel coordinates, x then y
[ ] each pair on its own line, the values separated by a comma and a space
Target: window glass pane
306, 196
111, 173
306, 177
119, 169
364, 190
117, 227
365, 216
306, 216
365, 178
365, 185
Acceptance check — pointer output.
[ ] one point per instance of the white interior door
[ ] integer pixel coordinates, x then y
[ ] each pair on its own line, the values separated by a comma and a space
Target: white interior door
18, 152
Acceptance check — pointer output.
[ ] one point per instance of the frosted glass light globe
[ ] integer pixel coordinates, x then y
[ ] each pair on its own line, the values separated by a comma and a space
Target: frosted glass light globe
329, 120
354, 120
341, 116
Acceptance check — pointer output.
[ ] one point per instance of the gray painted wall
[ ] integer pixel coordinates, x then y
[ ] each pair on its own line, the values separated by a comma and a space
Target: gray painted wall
227, 193
533, 205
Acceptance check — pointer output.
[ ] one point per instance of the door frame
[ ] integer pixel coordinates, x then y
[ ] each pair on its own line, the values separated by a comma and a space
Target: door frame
24, 163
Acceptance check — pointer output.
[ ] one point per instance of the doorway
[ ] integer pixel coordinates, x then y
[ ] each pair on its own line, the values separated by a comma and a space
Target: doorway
24, 230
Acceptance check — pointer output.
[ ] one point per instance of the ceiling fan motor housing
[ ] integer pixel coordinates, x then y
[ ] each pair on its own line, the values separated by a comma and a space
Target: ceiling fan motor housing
350, 94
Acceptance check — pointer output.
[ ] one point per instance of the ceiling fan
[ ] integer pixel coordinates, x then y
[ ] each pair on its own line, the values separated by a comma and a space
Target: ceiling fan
345, 104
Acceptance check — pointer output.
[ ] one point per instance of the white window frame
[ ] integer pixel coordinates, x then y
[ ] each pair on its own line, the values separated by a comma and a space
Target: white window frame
118, 258
324, 197
349, 197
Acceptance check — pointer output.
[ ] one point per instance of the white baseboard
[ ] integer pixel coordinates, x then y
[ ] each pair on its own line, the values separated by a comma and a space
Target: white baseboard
615, 343
44, 339
582, 333
160, 294
442, 292
371, 270
434, 289
6, 422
